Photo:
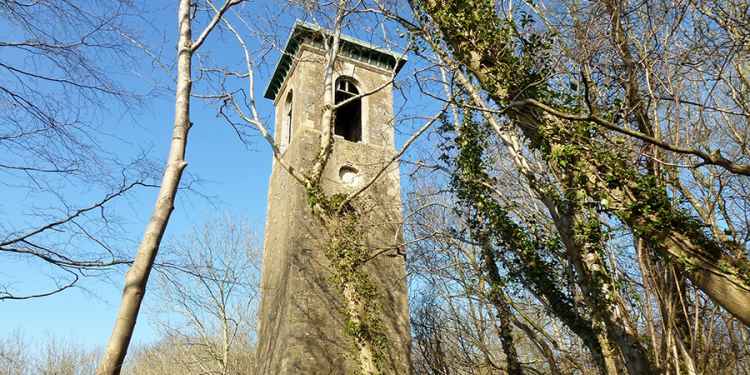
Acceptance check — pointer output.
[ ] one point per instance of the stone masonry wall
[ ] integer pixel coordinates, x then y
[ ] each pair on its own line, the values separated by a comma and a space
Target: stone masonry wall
301, 316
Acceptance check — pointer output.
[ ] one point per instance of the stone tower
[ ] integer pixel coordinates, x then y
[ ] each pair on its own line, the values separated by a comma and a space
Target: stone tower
301, 321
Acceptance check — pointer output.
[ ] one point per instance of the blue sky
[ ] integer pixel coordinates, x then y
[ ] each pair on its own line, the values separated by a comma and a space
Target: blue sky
233, 176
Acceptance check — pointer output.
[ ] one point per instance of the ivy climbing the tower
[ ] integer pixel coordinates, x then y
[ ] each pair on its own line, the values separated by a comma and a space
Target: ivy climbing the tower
348, 255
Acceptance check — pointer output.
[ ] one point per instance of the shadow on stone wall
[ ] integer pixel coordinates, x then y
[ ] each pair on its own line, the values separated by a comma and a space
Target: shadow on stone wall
302, 317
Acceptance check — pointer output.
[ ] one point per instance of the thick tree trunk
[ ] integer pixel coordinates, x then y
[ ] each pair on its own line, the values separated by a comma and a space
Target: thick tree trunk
598, 344
498, 299
137, 277
725, 282
719, 278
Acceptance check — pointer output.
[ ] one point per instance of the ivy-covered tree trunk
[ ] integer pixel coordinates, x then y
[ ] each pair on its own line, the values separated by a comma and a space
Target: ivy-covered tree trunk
498, 298
492, 226
483, 43
348, 256
581, 232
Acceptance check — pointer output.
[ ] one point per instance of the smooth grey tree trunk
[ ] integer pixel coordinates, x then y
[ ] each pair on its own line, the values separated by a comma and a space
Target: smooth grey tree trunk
137, 277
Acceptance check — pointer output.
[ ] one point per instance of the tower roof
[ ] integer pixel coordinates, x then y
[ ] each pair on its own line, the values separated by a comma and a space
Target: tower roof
350, 47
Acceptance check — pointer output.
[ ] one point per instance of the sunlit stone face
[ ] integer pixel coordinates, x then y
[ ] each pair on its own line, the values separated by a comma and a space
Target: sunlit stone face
349, 175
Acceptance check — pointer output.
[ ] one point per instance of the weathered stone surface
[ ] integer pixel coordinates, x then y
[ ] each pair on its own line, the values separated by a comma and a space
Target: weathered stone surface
301, 316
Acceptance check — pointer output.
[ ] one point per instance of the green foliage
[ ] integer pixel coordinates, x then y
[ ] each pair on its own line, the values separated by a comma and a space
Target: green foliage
599, 174
514, 65
523, 248
348, 255
602, 174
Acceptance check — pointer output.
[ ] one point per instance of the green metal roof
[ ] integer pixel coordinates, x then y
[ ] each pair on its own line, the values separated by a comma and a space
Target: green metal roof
352, 48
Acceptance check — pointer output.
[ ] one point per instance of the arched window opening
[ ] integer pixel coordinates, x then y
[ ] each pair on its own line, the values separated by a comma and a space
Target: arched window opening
348, 117
287, 132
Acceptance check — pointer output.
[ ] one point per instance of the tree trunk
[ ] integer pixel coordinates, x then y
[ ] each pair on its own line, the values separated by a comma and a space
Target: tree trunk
724, 281
137, 277
498, 298
597, 344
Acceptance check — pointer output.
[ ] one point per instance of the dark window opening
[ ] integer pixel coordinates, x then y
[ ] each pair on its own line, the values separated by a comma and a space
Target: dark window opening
349, 116
288, 119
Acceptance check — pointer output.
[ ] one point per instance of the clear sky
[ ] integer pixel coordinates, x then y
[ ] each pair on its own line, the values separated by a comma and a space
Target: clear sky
233, 176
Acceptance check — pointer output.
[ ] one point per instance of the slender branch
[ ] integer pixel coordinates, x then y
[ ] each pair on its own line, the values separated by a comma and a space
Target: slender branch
255, 119
4, 295
76, 214
714, 158
327, 117
377, 89
214, 21
395, 157
61, 261
40, 170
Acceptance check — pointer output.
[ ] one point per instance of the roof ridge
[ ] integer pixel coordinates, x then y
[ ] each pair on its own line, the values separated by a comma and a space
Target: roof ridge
382, 57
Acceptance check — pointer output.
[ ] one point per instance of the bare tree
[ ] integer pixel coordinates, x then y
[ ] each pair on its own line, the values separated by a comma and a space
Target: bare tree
137, 276
577, 103
56, 60
52, 356
14, 355
170, 355
208, 288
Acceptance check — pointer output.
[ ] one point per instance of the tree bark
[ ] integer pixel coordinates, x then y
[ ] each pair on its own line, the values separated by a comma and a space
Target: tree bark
599, 292
597, 344
137, 277
498, 298
720, 277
